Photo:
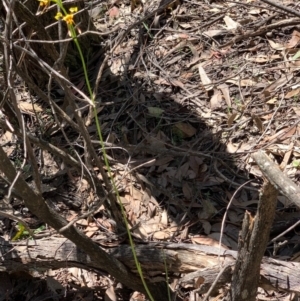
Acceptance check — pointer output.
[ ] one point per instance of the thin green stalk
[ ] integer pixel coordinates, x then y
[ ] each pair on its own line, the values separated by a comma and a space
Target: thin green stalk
138, 266
148, 30
74, 37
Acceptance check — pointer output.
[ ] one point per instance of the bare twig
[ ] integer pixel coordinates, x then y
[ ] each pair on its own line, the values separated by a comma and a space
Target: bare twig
91, 151
263, 30
225, 268
19, 220
282, 7
225, 216
271, 120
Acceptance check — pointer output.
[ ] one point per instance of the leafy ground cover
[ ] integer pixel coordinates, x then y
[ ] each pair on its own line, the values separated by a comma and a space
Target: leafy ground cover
184, 98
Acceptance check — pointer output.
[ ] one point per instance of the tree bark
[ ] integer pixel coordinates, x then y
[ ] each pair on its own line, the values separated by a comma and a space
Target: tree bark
253, 241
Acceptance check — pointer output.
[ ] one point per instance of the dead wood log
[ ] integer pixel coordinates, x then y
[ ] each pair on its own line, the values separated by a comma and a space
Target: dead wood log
193, 260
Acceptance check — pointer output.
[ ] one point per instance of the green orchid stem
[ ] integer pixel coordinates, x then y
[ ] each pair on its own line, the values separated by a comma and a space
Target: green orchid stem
138, 266
61, 6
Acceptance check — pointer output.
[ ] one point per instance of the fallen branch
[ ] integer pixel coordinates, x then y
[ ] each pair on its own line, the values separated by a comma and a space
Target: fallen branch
192, 260
282, 7
277, 178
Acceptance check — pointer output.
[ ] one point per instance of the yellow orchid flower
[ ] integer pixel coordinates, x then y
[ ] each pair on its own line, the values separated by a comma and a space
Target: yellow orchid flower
58, 16
45, 3
68, 18
73, 10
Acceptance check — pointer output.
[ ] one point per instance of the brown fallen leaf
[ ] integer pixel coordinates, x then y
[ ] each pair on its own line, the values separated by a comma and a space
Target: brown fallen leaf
187, 190
216, 100
225, 91
294, 40
204, 240
110, 294
231, 118
113, 13
205, 80
161, 235
30, 108
292, 93
184, 130
258, 123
